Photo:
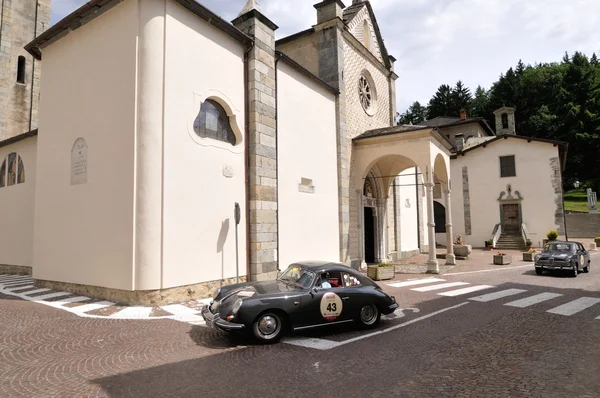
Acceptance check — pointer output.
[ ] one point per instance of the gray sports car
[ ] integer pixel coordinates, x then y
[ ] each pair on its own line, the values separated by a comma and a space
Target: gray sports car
557, 255
306, 295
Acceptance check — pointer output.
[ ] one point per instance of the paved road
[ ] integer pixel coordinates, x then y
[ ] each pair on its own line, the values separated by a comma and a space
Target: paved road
501, 333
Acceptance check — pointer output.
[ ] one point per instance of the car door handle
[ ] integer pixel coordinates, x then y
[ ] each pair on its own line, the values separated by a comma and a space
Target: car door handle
345, 298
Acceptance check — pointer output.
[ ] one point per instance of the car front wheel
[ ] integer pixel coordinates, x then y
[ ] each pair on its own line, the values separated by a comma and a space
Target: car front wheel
369, 315
539, 271
268, 327
575, 270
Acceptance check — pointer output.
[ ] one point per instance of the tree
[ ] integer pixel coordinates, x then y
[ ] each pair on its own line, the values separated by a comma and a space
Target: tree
480, 103
441, 103
415, 114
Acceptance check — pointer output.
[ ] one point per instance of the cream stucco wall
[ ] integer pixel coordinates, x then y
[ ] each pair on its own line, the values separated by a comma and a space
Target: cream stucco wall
409, 194
308, 221
84, 233
535, 181
203, 178
16, 207
305, 51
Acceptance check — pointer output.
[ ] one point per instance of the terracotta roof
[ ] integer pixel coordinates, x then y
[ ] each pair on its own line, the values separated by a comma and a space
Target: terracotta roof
95, 8
18, 138
447, 121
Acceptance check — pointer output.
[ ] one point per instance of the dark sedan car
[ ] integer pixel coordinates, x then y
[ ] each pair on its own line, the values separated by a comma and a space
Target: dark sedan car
569, 256
306, 295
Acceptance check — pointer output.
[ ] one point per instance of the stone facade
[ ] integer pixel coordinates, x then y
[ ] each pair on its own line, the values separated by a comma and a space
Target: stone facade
141, 297
510, 117
20, 22
466, 200
262, 145
15, 269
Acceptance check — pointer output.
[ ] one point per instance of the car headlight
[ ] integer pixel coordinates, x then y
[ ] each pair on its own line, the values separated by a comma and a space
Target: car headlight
236, 306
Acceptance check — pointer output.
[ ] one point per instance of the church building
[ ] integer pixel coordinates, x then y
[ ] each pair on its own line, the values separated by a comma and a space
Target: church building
158, 120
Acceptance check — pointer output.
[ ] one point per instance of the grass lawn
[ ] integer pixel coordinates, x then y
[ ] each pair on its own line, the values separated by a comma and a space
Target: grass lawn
576, 200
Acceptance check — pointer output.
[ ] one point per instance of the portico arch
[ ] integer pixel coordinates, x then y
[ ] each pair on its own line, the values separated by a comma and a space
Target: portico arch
383, 155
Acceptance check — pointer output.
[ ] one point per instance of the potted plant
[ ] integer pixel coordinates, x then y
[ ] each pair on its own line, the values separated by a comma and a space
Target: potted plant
529, 255
461, 249
502, 259
528, 244
381, 271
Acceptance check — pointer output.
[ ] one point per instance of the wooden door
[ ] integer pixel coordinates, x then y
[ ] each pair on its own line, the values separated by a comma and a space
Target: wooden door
510, 219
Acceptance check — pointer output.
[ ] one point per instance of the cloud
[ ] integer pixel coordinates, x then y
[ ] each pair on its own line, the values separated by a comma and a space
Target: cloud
442, 41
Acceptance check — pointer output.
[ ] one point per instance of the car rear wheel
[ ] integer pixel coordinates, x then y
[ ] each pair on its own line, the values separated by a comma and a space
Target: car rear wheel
586, 269
369, 315
268, 327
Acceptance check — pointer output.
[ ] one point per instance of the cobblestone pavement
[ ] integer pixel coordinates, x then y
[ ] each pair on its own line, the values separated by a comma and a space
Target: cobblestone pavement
506, 333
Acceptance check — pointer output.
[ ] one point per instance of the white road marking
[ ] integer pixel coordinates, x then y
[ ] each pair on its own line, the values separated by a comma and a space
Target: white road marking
489, 270
466, 290
132, 313
21, 278
575, 306
19, 288
322, 344
36, 292
51, 295
75, 299
416, 282
15, 283
179, 309
91, 307
538, 298
440, 286
189, 318
497, 295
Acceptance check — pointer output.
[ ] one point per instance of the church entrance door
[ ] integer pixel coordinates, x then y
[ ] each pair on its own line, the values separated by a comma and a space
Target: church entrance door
510, 219
369, 235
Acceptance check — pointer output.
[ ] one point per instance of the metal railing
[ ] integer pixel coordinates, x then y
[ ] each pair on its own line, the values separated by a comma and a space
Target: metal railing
524, 232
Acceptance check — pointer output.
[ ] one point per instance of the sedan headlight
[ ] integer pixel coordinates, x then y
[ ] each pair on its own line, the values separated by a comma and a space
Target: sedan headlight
236, 306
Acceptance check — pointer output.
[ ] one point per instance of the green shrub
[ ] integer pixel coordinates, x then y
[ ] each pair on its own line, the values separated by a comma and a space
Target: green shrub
384, 265
528, 243
552, 235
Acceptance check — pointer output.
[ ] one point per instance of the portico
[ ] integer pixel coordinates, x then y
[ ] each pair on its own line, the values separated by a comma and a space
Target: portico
381, 158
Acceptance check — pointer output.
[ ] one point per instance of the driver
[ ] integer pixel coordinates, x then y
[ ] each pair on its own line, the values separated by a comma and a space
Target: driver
324, 283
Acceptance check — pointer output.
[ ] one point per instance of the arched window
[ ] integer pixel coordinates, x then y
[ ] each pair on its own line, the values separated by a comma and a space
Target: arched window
21, 70
213, 122
12, 171
439, 216
366, 34
505, 120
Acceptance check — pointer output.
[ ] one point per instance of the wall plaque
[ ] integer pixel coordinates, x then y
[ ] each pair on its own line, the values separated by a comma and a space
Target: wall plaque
79, 162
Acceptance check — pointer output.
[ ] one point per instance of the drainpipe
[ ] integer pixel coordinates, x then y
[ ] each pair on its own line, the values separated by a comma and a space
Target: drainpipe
247, 157
37, 6
277, 58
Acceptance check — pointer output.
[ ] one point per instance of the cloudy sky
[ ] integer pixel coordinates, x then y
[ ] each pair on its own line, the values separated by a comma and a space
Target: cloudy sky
441, 41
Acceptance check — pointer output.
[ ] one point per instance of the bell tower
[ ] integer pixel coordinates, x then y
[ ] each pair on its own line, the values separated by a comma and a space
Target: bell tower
20, 22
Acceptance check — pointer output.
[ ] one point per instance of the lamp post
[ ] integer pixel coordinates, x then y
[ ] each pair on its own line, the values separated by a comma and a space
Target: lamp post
576, 184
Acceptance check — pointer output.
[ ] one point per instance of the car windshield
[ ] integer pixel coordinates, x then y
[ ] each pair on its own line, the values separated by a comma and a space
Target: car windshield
559, 247
298, 276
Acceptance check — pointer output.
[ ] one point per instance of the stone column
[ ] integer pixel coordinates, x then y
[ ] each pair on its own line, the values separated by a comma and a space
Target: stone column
450, 258
432, 263
262, 143
381, 246
330, 28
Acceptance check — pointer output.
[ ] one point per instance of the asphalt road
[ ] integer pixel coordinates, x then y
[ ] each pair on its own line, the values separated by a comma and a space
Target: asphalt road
495, 333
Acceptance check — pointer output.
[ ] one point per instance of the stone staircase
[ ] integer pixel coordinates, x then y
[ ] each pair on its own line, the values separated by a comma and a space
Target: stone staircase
510, 242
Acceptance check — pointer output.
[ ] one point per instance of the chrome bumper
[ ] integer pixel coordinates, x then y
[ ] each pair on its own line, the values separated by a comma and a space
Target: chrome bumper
214, 321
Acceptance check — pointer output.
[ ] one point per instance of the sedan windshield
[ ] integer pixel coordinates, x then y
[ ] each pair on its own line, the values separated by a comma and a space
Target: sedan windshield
559, 247
299, 276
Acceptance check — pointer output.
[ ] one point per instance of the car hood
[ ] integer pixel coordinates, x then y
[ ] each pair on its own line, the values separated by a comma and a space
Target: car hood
556, 255
254, 289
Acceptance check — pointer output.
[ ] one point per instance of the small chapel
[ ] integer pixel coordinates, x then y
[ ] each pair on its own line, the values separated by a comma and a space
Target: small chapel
158, 120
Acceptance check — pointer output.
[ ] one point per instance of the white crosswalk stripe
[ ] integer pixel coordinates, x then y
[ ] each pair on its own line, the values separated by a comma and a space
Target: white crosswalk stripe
133, 313
76, 299
91, 307
466, 290
497, 295
575, 306
36, 291
10, 289
51, 295
10, 280
528, 301
440, 286
415, 282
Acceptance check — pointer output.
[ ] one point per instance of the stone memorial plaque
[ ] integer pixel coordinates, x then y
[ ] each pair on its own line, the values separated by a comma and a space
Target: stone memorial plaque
79, 162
